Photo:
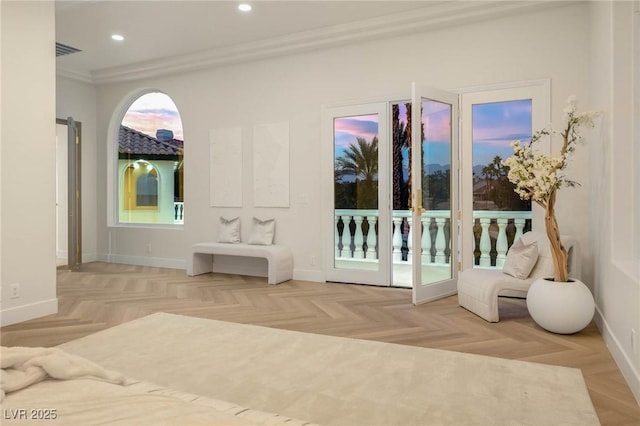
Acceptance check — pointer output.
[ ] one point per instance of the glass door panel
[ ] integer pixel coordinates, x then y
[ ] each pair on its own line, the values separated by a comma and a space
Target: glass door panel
493, 216
401, 244
359, 249
434, 177
499, 215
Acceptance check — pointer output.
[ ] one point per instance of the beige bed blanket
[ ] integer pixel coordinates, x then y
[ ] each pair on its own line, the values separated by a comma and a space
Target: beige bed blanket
71, 390
22, 367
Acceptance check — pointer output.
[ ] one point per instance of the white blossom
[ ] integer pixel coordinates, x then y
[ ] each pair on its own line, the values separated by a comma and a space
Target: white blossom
535, 175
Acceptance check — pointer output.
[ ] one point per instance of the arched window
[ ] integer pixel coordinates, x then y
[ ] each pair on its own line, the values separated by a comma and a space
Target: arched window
150, 162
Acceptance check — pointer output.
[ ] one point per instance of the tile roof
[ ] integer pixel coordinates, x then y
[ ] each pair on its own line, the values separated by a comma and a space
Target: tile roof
131, 141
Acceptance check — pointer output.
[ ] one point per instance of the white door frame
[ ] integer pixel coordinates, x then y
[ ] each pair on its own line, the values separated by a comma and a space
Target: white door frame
381, 276
540, 92
433, 290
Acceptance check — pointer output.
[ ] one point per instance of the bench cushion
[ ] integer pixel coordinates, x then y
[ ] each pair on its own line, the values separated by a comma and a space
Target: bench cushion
239, 249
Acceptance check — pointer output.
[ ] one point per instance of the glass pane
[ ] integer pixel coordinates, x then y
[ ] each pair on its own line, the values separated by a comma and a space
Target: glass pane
356, 192
499, 215
401, 186
436, 191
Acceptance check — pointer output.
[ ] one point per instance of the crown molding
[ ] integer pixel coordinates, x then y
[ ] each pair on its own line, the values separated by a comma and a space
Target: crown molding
74, 75
436, 16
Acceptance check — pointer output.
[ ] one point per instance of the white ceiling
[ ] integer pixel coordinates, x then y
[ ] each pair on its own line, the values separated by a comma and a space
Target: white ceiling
172, 36
159, 29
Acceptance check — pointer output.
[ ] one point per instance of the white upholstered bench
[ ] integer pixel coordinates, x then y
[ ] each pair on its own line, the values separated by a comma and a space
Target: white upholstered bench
279, 258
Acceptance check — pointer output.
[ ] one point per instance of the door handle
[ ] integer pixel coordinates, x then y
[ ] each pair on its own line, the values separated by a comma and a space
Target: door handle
416, 203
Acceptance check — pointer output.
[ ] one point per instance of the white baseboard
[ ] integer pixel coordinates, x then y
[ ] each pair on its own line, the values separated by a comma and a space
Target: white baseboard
27, 312
620, 357
158, 262
307, 275
89, 257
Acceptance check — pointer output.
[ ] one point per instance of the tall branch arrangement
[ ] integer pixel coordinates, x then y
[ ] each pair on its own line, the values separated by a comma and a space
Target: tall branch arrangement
538, 176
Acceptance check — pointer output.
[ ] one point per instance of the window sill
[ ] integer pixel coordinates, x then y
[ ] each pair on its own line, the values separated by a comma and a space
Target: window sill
172, 227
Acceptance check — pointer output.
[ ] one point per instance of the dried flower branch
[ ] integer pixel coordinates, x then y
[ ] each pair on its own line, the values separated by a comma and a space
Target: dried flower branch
538, 176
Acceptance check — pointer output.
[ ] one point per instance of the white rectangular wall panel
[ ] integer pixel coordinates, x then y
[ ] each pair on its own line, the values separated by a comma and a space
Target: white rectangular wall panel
225, 163
271, 165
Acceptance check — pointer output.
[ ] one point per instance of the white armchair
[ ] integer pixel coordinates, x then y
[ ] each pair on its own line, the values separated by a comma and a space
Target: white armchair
479, 288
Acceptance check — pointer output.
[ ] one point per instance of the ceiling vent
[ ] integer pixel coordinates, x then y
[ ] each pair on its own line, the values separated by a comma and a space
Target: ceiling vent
63, 49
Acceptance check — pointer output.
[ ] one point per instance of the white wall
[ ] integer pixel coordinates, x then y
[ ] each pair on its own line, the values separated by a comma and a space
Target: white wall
614, 194
28, 226
78, 100
293, 89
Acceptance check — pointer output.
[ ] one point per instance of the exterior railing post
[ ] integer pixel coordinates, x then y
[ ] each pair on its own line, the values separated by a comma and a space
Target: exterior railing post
397, 239
441, 243
519, 224
178, 212
426, 240
337, 240
502, 244
370, 238
410, 240
352, 245
358, 239
485, 242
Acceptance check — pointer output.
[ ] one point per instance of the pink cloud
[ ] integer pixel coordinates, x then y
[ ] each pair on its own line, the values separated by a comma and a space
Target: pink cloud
154, 111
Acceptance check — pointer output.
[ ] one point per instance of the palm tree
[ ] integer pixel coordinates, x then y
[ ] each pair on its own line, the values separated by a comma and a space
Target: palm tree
399, 143
493, 171
361, 162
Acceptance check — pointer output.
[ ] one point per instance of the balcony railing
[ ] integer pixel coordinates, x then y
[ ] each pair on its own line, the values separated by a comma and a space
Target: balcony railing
356, 235
178, 212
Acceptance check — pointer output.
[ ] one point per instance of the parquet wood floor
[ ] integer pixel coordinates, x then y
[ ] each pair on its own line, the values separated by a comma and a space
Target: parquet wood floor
103, 295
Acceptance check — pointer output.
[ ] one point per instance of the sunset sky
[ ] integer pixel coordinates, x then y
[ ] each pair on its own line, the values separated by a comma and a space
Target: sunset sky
154, 111
495, 125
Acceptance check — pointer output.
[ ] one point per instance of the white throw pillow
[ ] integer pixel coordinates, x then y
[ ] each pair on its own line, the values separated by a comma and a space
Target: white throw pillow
544, 266
229, 230
521, 258
262, 232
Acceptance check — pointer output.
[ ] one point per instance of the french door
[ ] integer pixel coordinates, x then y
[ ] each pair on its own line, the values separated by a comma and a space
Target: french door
434, 135
358, 223
493, 216
68, 193
375, 156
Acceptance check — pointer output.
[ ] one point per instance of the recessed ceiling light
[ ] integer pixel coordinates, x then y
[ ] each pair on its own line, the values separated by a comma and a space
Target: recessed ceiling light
244, 7
117, 37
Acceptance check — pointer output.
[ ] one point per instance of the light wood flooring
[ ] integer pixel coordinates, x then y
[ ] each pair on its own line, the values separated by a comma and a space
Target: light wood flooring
103, 295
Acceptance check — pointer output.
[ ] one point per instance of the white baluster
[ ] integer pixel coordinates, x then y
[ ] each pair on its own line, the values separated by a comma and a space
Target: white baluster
519, 223
501, 242
441, 242
397, 239
426, 240
358, 240
337, 237
371, 238
485, 242
410, 241
376, 240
